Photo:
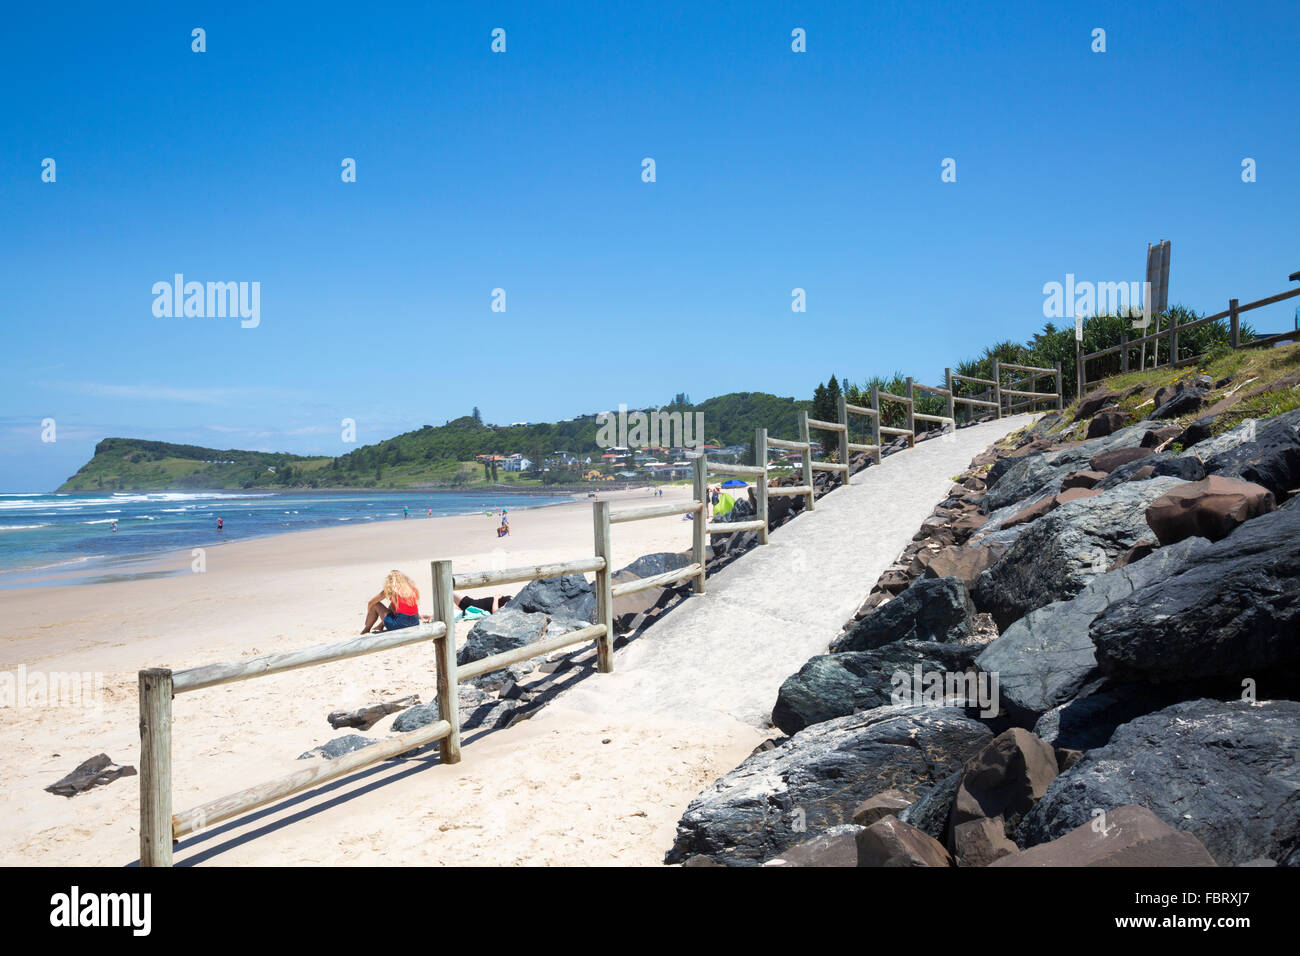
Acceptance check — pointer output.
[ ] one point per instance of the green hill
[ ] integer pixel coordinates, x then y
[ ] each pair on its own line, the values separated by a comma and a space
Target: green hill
441, 455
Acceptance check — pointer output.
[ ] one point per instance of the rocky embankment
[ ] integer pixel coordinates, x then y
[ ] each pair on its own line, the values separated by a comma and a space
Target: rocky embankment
1088, 655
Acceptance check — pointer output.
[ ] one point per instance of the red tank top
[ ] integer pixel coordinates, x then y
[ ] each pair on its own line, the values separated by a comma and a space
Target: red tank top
400, 607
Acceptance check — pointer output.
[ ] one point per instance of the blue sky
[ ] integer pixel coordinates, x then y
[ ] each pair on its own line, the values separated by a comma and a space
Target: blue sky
522, 171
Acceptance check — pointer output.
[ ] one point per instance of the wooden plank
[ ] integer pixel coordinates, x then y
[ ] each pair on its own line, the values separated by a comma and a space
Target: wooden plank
536, 649
941, 419
825, 426
1261, 302
731, 527
997, 387
977, 381
976, 401
911, 413
654, 581
894, 398
760, 496
536, 572
444, 609
805, 439
699, 541
830, 466
930, 388
650, 511
787, 445
855, 447
210, 675
1018, 394
843, 411
789, 490
1029, 368
717, 468
232, 805
886, 430
952, 411
155, 767
875, 421
604, 587
859, 410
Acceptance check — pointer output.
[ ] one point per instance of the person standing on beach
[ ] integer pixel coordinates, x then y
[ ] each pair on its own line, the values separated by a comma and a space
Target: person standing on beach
405, 513
218, 524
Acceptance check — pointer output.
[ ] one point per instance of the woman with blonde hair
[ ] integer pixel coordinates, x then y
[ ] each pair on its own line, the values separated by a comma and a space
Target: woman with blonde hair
403, 609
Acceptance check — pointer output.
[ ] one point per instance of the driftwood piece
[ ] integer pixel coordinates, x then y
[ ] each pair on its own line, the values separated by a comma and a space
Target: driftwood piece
367, 717
95, 772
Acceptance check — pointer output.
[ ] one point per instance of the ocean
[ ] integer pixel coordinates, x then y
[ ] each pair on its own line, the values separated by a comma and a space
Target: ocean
72, 536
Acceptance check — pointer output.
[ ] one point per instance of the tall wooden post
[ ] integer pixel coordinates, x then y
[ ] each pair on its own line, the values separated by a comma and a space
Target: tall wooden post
1123, 351
952, 398
1078, 368
760, 459
911, 415
155, 767
806, 438
875, 420
844, 435
1234, 323
700, 536
604, 588
1060, 395
444, 610
997, 386
1173, 340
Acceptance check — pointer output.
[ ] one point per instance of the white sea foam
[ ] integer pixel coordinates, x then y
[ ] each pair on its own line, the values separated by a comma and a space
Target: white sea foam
23, 527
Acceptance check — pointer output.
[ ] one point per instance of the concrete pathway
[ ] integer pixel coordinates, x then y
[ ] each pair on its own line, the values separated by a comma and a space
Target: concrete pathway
727, 652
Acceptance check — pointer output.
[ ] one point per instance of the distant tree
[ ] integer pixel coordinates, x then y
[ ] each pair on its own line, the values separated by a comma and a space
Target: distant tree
478, 416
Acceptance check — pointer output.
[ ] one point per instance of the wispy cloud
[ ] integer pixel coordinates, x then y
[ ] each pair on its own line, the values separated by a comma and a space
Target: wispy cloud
172, 393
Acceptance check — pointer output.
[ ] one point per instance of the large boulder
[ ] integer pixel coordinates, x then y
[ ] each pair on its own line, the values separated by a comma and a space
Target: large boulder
1046, 657
981, 842
1211, 508
1095, 401
817, 778
1090, 719
1155, 466
1235, 610
834, 847
1125, 836
835, 685
1111, 459
1272, 459
569, 597
932, 609
1183, 403
511, 628
1004, 780
965, 564
661, 562
1225, 772
891, 842
1055, 557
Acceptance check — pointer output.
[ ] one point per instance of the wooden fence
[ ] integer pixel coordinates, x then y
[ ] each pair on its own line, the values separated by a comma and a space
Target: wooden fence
1232, 313
160, 827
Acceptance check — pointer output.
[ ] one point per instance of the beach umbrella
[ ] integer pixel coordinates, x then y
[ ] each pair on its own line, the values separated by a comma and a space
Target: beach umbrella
735, 483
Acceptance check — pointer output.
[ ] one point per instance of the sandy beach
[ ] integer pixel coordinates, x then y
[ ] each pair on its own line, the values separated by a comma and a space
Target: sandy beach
286, 592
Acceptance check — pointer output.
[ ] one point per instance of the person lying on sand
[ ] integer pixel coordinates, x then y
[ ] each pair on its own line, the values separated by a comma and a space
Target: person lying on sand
492, 603
402, 610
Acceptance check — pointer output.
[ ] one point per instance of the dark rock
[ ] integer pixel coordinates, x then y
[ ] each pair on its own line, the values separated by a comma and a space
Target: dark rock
1234, 611
1108, 461
891, 842
837, 846
1126, 836
1184, 467
965, 564
1271, 460
338, 747
1044, 505
934, 609
931, 812
1095, 401
1158, 436
1107, 422
648, 565
510, 628
1212, 508
834, 685
884, 804
1067, 757
1088, 721
1004, 780
1055, 557
818, 777
568, 597
1225, 772
1081, 479
1183, 403
1046, 657
980, 842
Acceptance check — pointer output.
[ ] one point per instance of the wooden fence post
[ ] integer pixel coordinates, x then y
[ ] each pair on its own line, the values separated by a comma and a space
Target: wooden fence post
997, 386
699, 534
604, 588
952, 398
444, 610
155, 767
911, 415
1234, 323
760, 459
844, 435
1173, 340
1078, 369
875, 420
806, 438
1123, 351
1060, 395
